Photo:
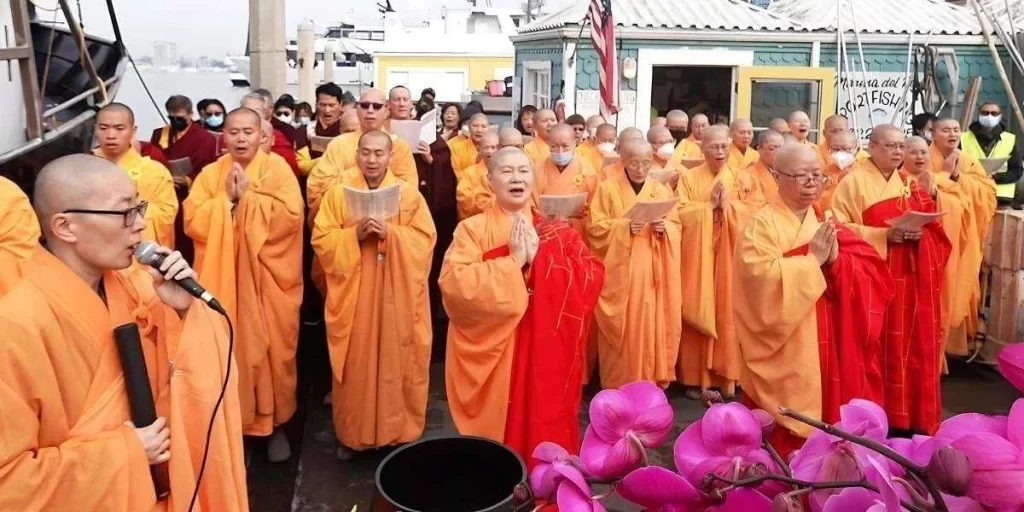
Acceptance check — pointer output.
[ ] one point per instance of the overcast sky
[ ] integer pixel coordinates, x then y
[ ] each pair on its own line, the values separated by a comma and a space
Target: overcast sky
218, 27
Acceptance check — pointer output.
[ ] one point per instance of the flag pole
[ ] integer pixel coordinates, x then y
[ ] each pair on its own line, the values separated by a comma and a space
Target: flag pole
572, 58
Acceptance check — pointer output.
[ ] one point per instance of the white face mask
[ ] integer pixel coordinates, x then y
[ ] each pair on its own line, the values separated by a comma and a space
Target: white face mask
666, 151
302, 121
607, 149
591, 133
842, 159
286, 119
989, 121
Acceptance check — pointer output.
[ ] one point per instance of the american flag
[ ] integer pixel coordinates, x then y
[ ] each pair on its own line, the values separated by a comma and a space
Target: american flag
602, 37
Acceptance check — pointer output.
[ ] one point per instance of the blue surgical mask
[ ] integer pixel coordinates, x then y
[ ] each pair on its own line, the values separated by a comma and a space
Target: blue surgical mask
562, 159
214, 121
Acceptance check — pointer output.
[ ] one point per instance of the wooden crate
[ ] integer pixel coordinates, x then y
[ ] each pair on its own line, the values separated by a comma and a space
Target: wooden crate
1005, 305
1005, 248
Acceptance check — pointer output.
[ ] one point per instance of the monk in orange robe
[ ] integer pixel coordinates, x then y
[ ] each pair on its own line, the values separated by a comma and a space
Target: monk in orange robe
613, 165
245, 214
678, 124
780, 125
115, 131
539, 148
66, 439
638, 315
341, 152
464, 154
510, 137
741, 155
838, 165
833, 126
689, 148
961, 276
866, 200
377, 307
520, 292
586, 148
800, 127
474, 194
563, 173
980, 190
664, 147
809, 296
769, 143
19, 233
715, 203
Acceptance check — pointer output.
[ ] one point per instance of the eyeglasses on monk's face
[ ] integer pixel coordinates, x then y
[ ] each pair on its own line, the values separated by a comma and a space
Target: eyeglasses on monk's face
130, 215
370, 105
803, 179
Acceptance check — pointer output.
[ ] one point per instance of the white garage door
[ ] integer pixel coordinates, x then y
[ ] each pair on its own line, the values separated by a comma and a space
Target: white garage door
449, 85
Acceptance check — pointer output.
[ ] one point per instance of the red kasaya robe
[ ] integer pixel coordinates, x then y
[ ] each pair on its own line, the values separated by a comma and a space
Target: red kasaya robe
547, 368
197, 144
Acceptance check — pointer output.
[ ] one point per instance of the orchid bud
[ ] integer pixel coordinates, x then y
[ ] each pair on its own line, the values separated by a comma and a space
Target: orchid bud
521, 493
709, 398
767, 422
951, 470
840, 466
786, 503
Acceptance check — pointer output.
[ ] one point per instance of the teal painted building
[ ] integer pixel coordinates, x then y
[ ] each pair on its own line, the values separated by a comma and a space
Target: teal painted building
728, 59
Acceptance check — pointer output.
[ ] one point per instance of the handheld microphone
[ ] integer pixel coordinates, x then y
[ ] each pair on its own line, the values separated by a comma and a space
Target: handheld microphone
140, 396
147, 255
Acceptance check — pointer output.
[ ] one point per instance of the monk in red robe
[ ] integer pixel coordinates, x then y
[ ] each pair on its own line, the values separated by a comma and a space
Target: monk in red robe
868, 200
810, 300
66, 439
521, 293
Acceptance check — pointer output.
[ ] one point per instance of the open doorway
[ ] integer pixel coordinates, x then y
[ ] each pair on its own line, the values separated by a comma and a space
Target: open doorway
694, 90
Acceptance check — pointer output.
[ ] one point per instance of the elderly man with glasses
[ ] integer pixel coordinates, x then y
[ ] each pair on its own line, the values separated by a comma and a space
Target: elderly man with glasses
878, 203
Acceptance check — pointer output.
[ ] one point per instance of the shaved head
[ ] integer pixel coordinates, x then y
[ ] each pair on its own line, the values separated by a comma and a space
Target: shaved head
637, 158
887, 147
715, 146
510, 137
372, 117
946, 133
243, 114
605, 133
794, 165
843, 141
883, 131
266, 136
594, 121
917, 143
115, 131
779, 125
489, 144
835, 124
543, 122
943, 121
918, 159
628, 135
658, 133
659, 121
677, 121
375, 137
562, 129
70, 182
349, 121
768, 145
118, 108
742, 133
799, 125
715, 133
373, 156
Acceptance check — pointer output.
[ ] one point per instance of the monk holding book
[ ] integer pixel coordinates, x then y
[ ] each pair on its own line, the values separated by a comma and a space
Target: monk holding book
874, 201
520, 292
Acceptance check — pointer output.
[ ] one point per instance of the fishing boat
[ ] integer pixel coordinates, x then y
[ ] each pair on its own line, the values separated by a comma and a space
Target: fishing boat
57, 79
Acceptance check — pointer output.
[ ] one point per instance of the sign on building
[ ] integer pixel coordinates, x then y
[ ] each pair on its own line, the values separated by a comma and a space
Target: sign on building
875, 101
588, 103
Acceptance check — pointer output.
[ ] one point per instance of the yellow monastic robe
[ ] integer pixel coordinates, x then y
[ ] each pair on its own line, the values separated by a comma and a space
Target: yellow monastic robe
637, 316
765, 180
538, 150
340, 158
835, 175
859, 190
741, 160
485, 300
576, 178
378, 318
775, 299
687, 149
156, 186
458, 139
588, 151
708, 353
473, 193
19, 233
63, 442
464, 155
251, 260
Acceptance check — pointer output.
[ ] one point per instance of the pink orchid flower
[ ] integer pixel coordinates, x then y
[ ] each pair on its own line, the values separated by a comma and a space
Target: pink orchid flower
558, 478
997, 459
623, 424
726, 442
657, 489
1011, 364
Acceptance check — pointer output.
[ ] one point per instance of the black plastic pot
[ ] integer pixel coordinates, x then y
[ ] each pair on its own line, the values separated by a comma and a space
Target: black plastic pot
452, 474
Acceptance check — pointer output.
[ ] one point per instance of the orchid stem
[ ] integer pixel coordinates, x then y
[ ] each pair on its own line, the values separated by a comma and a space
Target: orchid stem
813, 486
777, 458
912, 468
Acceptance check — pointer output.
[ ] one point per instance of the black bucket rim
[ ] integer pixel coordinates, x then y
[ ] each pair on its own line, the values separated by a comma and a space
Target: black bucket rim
506, 501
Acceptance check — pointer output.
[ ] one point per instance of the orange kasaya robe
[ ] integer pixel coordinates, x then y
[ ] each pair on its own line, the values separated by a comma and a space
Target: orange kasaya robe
638, 314
763, 176
377, 311
979, 191
809, 334
458, 139
708, 352
485, 299
19, 233
588, 151
538, 150
576, 178
63, 442
464, 155
835, 175
911, 338
961, 275
473, 193
251, 259
740, 160
156, 186
339, 162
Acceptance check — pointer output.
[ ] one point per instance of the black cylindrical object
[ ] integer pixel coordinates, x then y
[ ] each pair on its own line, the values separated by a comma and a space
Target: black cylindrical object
451, 474
140, 396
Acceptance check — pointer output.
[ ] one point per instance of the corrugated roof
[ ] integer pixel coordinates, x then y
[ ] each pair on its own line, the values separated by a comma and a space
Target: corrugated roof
686, 14
882, 16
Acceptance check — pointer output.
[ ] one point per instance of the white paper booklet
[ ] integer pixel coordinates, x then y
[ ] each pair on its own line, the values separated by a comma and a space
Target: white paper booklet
380, 204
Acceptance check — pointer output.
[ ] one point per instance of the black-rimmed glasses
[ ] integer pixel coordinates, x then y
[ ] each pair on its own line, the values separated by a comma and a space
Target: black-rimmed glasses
130, 214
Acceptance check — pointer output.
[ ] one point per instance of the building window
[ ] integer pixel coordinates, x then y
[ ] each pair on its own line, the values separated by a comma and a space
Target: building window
537, 86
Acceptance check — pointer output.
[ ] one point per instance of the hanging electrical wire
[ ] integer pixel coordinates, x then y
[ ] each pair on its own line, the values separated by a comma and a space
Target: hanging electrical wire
120, 42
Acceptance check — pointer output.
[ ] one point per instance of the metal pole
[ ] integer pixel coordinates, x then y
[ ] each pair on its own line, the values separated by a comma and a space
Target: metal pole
906, 80
863, 65
986, 31
83, 50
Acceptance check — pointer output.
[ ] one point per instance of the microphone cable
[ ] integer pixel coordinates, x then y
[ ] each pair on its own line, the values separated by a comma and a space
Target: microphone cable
216, 407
